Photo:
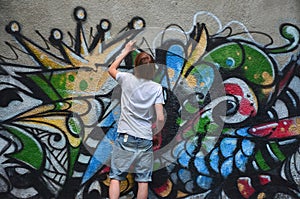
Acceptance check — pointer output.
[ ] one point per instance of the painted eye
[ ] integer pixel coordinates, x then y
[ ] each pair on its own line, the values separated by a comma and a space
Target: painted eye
232, 107
230, 62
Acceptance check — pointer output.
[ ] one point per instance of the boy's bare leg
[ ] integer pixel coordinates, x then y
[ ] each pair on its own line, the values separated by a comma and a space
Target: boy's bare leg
114, 189
142, 190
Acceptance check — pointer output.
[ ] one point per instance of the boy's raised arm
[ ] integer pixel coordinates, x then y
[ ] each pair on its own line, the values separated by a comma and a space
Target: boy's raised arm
113, 69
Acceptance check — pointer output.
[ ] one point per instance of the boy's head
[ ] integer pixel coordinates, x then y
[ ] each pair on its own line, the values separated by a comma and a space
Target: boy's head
144, 66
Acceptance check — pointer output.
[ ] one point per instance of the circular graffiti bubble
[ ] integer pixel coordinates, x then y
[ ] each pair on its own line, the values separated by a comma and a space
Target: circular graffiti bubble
57, 34
80, 13
105, 24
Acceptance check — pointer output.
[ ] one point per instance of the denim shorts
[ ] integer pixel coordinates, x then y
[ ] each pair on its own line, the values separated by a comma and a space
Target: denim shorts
132, 155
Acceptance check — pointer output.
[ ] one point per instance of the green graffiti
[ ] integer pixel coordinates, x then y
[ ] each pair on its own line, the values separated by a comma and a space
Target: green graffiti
74, 125
83, 85
71, 78
228, 56
44, 85
31, 153
261, 161
257, 66
275, 148
201, 126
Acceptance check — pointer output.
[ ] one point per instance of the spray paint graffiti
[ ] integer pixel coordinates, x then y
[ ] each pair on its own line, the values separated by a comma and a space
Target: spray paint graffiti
233, 113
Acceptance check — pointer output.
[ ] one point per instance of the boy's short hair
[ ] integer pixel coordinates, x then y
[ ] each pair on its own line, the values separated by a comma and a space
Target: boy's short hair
144, 70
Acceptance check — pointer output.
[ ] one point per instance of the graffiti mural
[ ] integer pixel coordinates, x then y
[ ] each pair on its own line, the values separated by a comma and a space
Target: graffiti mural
232, 106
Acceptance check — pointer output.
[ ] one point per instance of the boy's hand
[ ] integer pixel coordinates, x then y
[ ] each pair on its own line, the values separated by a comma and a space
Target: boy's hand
130, 46
112, 70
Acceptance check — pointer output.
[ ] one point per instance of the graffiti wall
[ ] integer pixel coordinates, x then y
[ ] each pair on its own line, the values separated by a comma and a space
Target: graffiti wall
232, 110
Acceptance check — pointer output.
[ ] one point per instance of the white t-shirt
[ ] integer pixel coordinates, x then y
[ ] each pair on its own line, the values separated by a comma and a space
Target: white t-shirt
137, 104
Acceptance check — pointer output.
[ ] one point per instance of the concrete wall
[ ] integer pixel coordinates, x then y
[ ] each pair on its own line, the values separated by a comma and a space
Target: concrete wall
230, 73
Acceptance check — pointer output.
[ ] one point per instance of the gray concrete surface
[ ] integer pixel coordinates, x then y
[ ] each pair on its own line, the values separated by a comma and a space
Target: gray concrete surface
43, 15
